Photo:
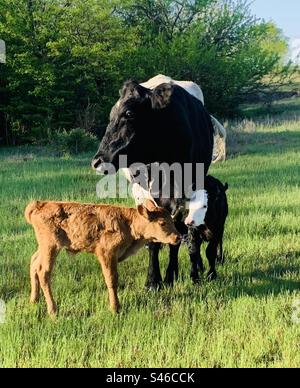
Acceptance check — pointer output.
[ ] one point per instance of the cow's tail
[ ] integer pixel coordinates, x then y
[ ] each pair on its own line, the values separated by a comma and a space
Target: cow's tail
219, 128
220, 136
30, 209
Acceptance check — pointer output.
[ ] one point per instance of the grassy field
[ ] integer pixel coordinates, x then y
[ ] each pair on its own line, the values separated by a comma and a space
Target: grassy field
244, 319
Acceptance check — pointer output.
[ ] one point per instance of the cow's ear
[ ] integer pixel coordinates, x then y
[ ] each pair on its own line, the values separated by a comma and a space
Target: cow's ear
144, 212
148, 210
132, 89
161, 96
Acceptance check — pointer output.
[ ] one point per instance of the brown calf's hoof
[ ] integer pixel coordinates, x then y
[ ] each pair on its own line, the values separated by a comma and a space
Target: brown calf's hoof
115, 309
34, 299
52, 312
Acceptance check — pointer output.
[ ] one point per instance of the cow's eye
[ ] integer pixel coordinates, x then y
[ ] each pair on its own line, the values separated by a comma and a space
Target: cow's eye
162, 223
129, 114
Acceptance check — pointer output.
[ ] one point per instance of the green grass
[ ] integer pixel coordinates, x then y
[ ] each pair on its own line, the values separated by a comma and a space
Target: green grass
244, 319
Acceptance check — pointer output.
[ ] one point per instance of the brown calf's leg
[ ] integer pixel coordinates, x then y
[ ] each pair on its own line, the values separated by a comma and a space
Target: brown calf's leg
35, 284
110, 272
45, 268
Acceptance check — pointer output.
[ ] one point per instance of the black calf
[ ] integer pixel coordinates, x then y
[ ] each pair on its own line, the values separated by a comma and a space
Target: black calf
211, 232
213, 229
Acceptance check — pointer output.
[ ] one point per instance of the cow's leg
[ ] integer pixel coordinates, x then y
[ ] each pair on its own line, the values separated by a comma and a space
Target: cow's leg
154, 279
194, 247
35, 283
47, 256
211, 253
220, 253
199, 259
110, 272
172, 271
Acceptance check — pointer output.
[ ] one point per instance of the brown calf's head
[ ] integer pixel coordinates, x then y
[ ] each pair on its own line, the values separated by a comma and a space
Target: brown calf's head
159, 226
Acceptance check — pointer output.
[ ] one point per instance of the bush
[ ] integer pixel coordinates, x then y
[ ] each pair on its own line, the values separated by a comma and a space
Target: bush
73, 142
85, 49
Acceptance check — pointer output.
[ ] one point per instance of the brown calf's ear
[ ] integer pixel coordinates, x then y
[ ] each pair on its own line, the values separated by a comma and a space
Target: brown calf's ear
161, 96
150, 205
143, 212
147, 209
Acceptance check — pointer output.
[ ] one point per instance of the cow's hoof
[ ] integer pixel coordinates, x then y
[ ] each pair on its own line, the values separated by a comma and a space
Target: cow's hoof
211, 276
221, 260
34, 300
153, 285
196, 280
195, 277
52, 313
171, 277
169, 281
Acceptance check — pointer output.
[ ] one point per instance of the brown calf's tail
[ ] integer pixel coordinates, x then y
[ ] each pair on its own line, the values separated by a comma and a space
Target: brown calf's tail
30, 209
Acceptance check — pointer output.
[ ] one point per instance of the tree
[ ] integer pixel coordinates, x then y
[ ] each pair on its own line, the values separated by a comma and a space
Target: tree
217, 43
63, 58
66, 60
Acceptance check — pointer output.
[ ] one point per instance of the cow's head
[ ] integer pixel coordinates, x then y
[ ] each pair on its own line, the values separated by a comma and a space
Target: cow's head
132, 130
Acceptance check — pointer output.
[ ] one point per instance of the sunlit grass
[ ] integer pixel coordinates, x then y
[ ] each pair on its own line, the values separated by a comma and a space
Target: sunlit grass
244, 319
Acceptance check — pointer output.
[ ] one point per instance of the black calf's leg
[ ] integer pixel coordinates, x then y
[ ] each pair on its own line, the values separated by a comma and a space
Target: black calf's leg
211, 253
194, 246
220, 254
172, 271
154, 279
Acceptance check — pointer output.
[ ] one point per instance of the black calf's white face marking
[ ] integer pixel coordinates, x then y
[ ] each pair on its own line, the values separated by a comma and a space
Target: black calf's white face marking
197, 209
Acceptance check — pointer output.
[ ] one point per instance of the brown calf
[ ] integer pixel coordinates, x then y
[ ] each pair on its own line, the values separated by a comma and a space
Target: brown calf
111, 233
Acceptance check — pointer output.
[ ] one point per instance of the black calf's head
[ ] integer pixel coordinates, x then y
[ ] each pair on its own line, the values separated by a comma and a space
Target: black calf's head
132, 130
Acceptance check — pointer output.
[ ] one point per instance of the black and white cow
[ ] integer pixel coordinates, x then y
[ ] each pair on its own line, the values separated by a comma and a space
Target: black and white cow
164, 125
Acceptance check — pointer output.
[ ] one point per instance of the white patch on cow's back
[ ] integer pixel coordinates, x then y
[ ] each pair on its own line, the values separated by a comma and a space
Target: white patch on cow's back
152, 83
197, 208
191, 87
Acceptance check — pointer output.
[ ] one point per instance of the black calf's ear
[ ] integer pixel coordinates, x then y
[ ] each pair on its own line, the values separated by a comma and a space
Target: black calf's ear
226, 187
161, 96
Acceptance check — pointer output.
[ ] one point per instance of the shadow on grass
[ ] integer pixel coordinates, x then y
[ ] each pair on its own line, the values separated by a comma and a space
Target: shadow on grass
261, 283
241, 143
285, 109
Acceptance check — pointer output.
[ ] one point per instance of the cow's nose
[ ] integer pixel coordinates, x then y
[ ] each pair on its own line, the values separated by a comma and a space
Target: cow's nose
178, 239
190, 222
96, 163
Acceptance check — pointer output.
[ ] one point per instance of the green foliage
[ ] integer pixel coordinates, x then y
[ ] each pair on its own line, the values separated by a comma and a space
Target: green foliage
67, 60
73, 142
218, 44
